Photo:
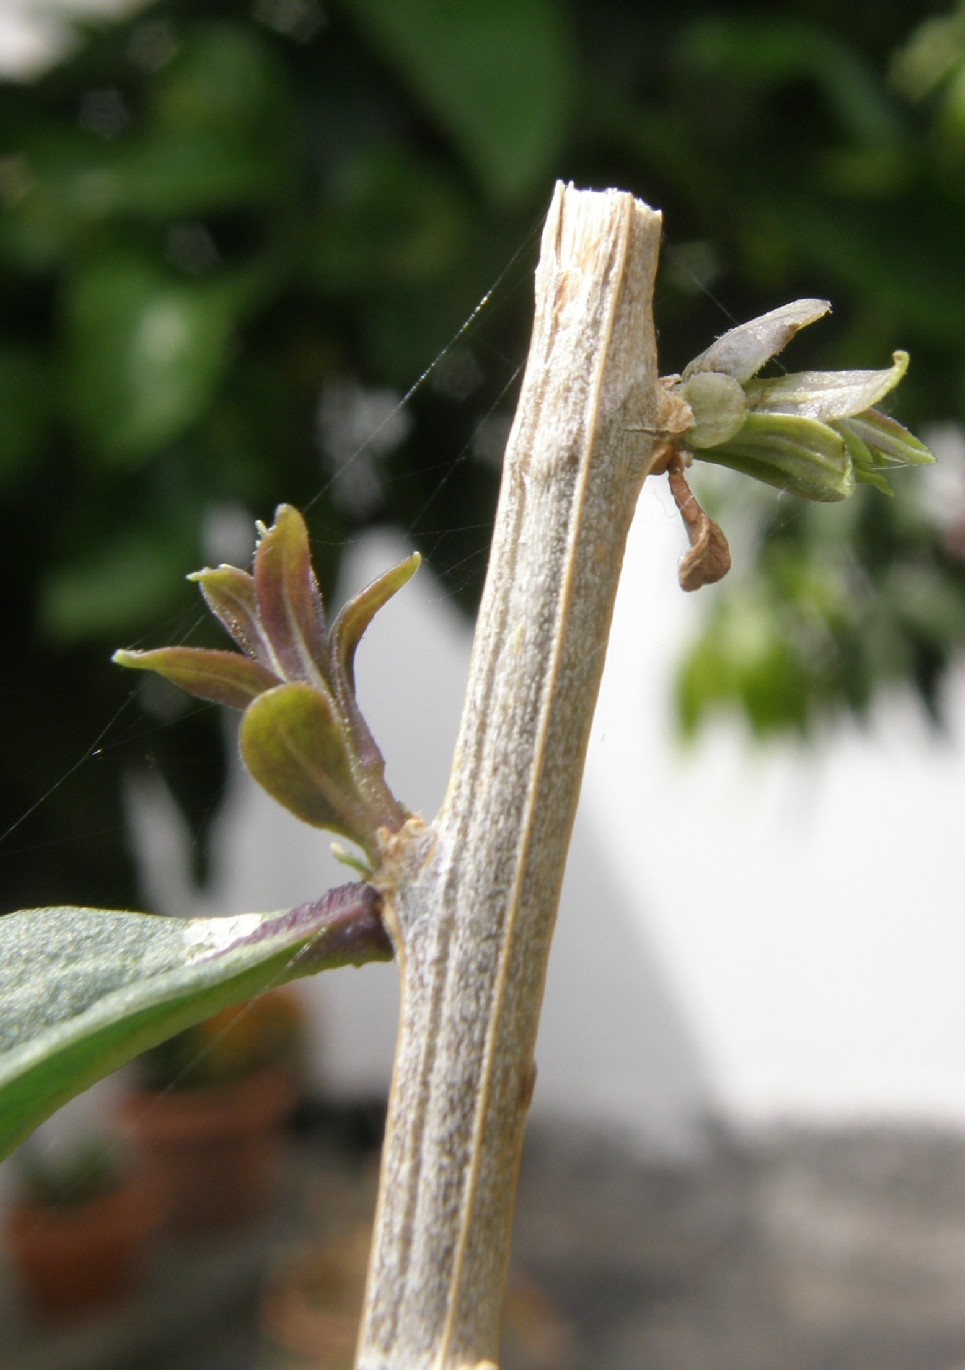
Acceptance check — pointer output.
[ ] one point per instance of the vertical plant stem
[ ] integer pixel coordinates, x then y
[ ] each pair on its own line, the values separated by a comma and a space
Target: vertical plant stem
472, 899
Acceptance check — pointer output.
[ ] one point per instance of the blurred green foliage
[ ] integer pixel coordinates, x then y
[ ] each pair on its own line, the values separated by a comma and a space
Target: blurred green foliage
233, 234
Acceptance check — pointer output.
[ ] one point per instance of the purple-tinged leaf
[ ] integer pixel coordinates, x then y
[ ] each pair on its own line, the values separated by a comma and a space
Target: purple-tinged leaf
219, 677
345, 924
230, 595
347, 631
289, 602
294, 745
742, 351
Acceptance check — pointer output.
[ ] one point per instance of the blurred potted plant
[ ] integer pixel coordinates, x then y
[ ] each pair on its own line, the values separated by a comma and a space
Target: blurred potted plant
309, 1311
209, 1111
77, 1228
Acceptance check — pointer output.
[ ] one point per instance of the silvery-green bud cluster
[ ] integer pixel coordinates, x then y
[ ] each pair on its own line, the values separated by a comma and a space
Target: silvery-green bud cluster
813, 433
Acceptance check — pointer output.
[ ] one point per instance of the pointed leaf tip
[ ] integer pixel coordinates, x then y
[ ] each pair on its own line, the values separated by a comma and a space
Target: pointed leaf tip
230, 595
825, 395
742, 351
289, 600
890, 442
355, 616
218, 677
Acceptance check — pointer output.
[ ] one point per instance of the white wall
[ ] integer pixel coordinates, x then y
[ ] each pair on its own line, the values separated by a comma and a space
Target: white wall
806, 907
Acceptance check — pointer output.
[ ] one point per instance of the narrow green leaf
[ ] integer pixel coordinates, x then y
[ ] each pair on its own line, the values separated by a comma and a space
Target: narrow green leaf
771, 50
869, 475
355, 616
742, 351
293, 744
863, 462
221, 677
801, 456
825, 395
890, 442
289, 602
82, 991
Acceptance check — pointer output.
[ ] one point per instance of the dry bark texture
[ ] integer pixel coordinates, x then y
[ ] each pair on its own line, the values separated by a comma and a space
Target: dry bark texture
472, 898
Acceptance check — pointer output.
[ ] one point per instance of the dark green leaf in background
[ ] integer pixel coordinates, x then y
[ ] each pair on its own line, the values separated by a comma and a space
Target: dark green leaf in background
145, 353
498, 75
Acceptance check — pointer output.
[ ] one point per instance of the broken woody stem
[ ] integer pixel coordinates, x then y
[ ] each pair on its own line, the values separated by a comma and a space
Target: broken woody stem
471, 899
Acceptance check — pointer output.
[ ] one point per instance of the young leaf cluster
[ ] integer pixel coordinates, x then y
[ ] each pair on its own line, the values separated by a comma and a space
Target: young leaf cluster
303, 736
812, 433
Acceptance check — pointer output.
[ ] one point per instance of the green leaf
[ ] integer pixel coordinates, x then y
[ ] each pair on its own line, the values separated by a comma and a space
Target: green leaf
355, 616
890, 442
863, 462
497, 74
116, 584
82, 991
226, 79
775, 50
175, 172
743, 659
294, 745
220, 130
145, 353
928, 605
220, 677
801, 456
26, 408
396, 221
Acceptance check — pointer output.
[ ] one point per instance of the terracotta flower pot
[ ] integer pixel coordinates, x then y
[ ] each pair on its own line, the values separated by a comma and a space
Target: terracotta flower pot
79, 1257
310, 1308
211, 1153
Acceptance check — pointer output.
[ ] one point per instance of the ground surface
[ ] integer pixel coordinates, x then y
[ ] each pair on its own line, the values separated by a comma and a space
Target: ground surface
830, 1252
805, 1252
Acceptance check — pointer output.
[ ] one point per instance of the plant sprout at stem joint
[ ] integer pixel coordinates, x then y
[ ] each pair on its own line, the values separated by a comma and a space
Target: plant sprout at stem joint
814, 434
303, 737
